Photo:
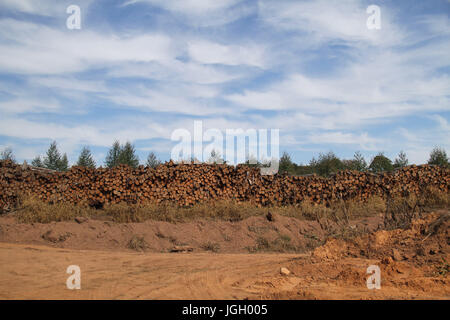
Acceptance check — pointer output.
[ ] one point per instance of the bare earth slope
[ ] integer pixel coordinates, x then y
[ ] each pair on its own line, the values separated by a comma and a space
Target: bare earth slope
285, 234
413, 263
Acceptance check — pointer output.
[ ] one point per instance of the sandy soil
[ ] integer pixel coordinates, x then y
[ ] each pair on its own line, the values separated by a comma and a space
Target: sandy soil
227, 237
413, 265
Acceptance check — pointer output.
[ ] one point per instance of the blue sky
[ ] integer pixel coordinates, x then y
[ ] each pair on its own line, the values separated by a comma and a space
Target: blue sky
138, 70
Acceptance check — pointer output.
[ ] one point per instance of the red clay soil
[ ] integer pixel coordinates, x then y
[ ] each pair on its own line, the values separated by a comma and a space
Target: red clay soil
414, 262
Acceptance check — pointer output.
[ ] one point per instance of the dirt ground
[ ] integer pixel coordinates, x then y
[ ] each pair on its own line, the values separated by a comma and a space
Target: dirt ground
414, 263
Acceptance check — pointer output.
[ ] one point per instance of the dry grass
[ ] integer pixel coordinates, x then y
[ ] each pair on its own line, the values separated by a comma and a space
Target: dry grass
280, 244
442, 269
211, 246
32, 209
397, 210
221, 210
400, 211
351, 209
335, 210
433, 198
137, 243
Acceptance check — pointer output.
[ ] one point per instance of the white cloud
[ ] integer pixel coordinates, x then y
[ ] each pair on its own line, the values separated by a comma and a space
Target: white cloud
155, 101
42, 7
442, 123
194, 6
69, 83
438, 25
191, 99
21, 105
214, 53
377, 77
378, 86
99, 134
29, 48
324, 21
175, 70
157, 146
263, 100
362, 140
418, 142
203, 13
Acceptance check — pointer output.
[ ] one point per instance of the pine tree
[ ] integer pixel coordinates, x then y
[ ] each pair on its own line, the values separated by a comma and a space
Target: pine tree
37, 162
112, 159
401, 161
85, 159
359, 162
7, 154
53, 158
152, 161
127, 155
285, 163
63, 164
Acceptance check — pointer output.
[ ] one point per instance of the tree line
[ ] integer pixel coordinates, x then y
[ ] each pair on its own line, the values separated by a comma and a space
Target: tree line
328, 163
117, 154
325, 164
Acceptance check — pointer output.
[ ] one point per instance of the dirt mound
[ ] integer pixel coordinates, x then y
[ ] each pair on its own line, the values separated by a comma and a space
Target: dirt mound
414, 264
254, 234
426, 242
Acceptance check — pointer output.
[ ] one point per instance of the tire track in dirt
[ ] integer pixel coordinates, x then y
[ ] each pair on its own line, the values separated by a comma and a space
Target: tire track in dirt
35, 272
414, 264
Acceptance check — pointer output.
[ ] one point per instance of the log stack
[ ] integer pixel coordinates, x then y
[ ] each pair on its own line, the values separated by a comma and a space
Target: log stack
187, 184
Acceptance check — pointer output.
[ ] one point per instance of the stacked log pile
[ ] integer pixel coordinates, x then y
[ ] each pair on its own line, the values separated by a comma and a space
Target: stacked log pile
187, 184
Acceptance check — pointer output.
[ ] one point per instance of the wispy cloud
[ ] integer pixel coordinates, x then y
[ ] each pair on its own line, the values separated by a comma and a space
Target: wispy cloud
213, 53
29, 48
139, 69
203, 13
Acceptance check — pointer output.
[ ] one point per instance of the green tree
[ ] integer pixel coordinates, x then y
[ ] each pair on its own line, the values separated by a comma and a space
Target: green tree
53, 159
326, 164
401, 160
438, 156
112, 158
300, 169
63, 163
359, 163
7, 154
37, 162
285, 164
152, 161
381, 163
349, 164
85, 159
128, 155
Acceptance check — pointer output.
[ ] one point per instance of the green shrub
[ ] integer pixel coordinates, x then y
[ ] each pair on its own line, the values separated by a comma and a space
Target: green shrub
381, 163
